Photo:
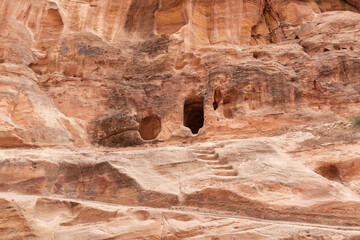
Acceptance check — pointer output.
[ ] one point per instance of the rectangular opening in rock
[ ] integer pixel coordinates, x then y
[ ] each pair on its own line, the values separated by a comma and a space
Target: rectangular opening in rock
194, 113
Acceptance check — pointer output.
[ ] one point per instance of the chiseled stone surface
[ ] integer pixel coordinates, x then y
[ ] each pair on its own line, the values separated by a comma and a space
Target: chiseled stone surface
179, 119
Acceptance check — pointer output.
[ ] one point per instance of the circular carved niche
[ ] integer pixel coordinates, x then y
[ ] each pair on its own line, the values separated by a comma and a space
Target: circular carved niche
150, 127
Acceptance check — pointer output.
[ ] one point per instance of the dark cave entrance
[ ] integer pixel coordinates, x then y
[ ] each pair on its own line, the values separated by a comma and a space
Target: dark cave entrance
194, 114
150, 127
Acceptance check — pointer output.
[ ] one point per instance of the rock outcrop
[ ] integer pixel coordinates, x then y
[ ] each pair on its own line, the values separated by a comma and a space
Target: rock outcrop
179, 119
221, 189
28, 118
100, 58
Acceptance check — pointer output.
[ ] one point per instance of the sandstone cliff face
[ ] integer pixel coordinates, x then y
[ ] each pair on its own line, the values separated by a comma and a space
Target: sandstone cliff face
101, 58
235, 115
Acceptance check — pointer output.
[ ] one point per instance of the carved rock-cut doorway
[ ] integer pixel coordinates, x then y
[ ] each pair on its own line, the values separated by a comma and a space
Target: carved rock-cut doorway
194, 114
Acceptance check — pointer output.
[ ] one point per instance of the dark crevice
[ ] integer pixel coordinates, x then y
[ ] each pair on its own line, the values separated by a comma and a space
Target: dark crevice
114, 134
270, 13
217, 98
305, 49
215, 105
266, 16
314, 85
352, 5
256, 55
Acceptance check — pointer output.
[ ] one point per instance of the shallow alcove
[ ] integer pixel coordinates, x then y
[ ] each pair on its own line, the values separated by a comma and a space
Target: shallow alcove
150, 127
337, 47
329, 171
52, 27
228, 106
194, 114
256, 55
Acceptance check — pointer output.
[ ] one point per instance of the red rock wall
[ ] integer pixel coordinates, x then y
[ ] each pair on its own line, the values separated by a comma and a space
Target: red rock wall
95, 59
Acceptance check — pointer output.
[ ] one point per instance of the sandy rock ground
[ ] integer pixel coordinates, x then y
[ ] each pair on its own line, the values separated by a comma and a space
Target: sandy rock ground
260, 188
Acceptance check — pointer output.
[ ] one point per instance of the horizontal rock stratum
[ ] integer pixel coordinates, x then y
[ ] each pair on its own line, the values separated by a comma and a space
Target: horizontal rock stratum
179, 119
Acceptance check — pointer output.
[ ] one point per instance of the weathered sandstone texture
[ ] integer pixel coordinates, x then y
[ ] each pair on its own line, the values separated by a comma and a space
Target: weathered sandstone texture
179, 119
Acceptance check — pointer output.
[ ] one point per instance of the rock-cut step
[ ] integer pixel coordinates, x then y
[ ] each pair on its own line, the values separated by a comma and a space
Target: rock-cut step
222, 167
210, 162
215, 163
226, 173
203, 151
208, 156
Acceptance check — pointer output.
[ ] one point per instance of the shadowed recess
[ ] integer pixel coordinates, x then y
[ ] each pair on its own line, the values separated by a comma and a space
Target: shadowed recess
150, 127
329, 171
141, 17
194, 114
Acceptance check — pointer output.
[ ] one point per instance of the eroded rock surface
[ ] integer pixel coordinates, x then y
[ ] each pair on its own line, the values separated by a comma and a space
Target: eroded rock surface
99, 58
179, 119
250, 188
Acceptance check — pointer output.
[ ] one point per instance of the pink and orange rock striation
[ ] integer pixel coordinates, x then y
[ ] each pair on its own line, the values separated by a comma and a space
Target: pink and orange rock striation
236, 115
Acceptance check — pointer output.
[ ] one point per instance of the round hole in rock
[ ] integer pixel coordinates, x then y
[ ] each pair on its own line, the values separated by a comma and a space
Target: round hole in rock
194, 114
150, 127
